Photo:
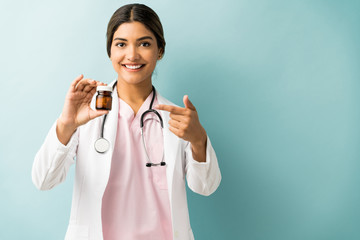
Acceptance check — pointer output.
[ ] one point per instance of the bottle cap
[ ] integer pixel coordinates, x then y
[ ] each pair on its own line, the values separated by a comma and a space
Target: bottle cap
104, 88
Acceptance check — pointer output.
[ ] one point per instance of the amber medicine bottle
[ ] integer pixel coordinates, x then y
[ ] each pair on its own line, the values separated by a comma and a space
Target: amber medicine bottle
103, 99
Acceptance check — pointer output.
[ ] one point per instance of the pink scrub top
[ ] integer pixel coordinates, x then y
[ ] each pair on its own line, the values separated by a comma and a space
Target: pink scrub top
136, 203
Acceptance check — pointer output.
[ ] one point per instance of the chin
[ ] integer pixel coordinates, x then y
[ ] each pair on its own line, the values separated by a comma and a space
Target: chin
133, 80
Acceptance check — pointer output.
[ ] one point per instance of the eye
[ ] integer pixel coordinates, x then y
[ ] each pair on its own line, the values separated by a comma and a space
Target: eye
145, 44
120, 44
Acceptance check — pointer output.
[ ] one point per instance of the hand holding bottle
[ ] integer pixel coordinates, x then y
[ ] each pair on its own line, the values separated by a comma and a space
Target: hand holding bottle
77, 110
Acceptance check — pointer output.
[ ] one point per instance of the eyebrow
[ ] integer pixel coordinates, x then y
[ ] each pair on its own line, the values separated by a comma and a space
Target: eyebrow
139, 39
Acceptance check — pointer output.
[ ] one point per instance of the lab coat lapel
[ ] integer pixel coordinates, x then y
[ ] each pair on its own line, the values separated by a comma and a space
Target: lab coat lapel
111, 123
169, 146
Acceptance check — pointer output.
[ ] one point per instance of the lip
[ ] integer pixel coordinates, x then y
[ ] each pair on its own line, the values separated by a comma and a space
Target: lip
132, 64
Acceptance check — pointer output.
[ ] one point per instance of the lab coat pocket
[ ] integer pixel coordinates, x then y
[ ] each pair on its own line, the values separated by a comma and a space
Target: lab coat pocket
77, 232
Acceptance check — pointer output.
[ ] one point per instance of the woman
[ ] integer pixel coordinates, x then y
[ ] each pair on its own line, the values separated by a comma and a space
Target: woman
116, 196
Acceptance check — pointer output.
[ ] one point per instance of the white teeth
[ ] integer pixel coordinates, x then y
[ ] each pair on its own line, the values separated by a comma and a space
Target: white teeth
133, 66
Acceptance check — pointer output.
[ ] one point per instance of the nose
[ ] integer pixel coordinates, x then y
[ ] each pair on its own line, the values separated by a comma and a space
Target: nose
132, 53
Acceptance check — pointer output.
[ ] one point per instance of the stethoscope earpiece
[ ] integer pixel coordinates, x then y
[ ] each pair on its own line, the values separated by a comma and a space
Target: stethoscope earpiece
155, 164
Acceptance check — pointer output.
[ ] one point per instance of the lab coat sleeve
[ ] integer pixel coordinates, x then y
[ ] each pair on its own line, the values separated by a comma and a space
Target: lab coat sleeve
202, 177
53, 160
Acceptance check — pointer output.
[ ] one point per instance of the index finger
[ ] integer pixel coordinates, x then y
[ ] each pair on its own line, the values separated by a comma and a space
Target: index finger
170, 108
76, 81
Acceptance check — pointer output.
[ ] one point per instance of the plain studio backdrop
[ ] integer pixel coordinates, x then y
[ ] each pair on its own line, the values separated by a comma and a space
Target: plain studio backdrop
276, 85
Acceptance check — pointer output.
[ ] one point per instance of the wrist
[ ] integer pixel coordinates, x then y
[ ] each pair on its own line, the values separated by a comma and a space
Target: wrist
64, 132
199, 150
65, 125
200, 143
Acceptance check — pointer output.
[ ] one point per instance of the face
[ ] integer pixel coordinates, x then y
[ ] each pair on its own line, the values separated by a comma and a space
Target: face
134, 53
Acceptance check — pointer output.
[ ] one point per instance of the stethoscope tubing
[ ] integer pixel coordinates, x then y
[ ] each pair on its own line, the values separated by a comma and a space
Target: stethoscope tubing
102, 145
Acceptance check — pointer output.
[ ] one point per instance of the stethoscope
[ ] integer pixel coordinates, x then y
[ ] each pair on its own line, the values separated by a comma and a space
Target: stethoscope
102, 145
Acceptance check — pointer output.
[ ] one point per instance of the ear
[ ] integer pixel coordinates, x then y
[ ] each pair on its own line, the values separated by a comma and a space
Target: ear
161, 52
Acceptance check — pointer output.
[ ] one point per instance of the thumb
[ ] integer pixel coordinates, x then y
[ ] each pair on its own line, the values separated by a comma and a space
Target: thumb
188, 104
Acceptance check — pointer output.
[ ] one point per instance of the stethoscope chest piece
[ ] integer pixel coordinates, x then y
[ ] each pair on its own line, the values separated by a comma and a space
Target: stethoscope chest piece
102, 145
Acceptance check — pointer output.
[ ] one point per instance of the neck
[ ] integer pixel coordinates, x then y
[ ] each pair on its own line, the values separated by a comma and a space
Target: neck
134, 94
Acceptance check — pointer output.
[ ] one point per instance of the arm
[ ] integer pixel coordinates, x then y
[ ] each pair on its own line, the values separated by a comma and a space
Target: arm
202, 177
53, 160
201, 167
56, 155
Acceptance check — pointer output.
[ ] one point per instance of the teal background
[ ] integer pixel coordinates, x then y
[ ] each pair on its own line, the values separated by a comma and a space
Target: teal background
276, 85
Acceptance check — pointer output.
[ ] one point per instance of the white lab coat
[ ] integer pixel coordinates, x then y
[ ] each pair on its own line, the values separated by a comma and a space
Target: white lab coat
53, 160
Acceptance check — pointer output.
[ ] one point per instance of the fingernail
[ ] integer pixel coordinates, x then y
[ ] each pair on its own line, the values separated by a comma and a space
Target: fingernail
156, 106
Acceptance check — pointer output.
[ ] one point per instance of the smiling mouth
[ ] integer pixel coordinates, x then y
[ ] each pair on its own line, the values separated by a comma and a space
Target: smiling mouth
133, 66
